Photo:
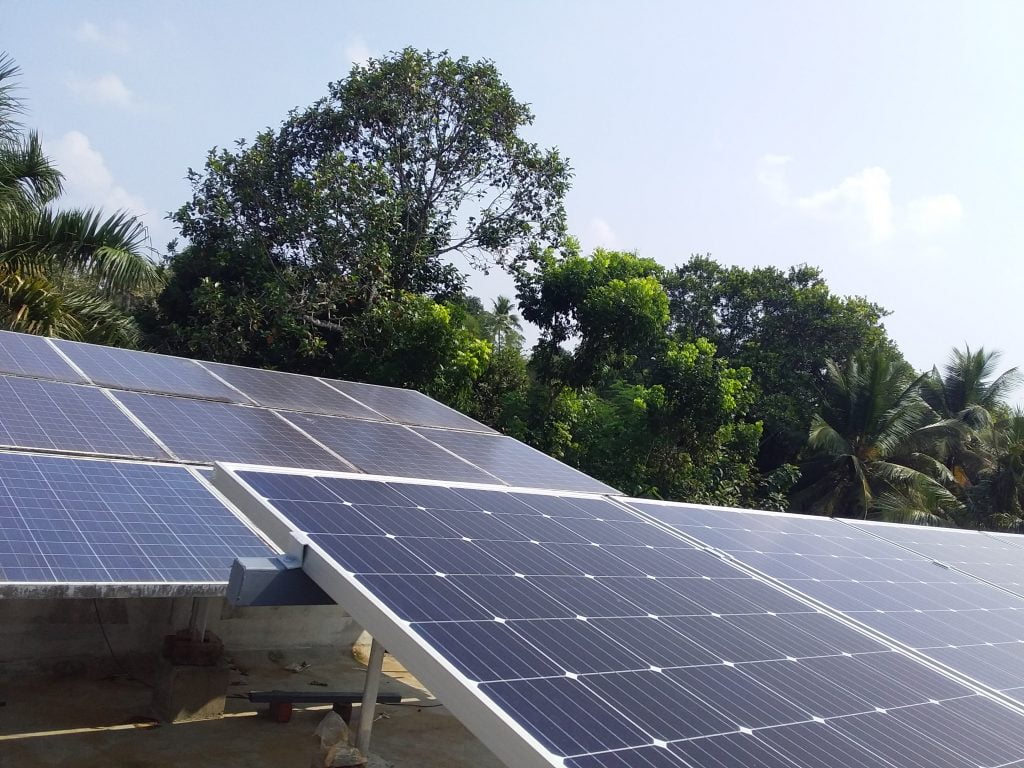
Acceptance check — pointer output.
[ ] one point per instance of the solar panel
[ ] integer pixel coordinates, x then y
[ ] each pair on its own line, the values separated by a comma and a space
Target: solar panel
87, 521
514, 462
205, 432
407, 406
944, 613
557, 660
290, 391
993, 558
49, 415
146, 372
388, 449
26, 355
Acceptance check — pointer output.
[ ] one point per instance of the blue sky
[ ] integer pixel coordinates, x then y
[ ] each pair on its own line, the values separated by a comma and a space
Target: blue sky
883, 142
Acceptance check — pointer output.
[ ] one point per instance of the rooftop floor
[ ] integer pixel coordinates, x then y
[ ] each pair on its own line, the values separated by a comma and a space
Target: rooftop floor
100, 723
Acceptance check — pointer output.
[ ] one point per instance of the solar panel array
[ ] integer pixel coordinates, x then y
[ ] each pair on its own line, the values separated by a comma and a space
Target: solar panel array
408, 406
50, 415
205, 431
388, 449
569, 629
26, 355
947, 615
194, 411
145, 371
89, 521
290, 391
514, 462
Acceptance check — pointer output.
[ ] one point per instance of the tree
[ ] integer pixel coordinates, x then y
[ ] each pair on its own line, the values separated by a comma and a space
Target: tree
62, 273
783, 325
874, 446
968, 387
349, 214
503, 325
642, 411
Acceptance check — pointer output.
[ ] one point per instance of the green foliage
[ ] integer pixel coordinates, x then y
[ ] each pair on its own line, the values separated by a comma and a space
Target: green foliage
872, 449
62, 273
611, 303
781, 325
644, 412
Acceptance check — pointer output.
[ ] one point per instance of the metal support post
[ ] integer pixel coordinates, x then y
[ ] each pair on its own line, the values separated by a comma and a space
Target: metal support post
370, 690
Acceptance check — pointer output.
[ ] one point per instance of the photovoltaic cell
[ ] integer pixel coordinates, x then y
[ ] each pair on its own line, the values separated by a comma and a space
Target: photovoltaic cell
146, 372
407, 406
388, 449
917, 585
49, 415
514, 462
203, 431
27, 355
65, 521
703, 666
276, 389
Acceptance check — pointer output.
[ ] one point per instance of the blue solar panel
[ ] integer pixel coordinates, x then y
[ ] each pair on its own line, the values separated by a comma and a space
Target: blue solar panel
26, 355
290, 391
894, 579
50, 415
202, 431
66, 521
514, 462
697, 665
147, 372
407, 406
998, 559
388, 449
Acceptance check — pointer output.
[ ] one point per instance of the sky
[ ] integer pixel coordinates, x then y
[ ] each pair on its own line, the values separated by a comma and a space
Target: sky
882, 142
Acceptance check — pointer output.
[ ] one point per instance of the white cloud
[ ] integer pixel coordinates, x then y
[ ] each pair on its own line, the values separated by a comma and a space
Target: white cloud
863, 200
932, 215
88, 182
116, 38
357, 51
108, 89
599, 234
865, 195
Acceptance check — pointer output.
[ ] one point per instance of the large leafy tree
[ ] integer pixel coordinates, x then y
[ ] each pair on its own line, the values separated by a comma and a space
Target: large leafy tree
616, 395
307, 246
875, 448
62, 272
783, 325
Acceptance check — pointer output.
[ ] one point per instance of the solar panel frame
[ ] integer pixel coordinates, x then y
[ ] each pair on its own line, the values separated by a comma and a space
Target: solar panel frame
137, 371
25, 354
103, 527
510, 728
45, 415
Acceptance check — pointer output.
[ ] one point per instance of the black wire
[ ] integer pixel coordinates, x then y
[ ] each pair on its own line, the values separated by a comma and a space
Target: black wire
117, 661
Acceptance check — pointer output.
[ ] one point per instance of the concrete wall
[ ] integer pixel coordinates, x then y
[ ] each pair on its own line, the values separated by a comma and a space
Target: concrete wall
63, 637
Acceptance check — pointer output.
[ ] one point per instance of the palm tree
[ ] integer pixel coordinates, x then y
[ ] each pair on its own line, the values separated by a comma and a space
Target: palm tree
62, 273
503, 325
874, 447
968, 388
